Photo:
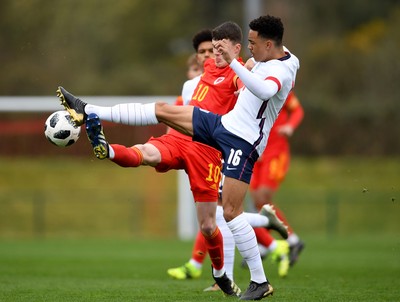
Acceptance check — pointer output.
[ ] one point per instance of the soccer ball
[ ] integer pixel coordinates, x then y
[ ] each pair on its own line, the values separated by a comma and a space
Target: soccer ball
60, 129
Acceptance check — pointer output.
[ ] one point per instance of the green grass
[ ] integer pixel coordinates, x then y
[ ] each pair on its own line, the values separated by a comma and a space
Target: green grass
76, 229
341, 269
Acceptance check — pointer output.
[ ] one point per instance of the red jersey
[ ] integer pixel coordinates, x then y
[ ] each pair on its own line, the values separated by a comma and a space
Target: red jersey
215, 91
271, 168
179, 101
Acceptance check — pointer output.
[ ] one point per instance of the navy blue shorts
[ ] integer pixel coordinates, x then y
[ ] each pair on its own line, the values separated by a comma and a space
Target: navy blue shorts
239, 155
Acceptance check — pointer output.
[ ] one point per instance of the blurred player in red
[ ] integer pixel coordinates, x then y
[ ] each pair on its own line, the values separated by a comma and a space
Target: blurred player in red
195, 62
269, 172
194, 68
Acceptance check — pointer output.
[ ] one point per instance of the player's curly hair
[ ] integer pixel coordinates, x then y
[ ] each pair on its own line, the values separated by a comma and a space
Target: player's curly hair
268, 27
228, 30
202, 36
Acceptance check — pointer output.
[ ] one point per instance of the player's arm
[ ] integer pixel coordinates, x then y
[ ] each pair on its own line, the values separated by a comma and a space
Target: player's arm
237, 81
296, 111
263, 89
296, 114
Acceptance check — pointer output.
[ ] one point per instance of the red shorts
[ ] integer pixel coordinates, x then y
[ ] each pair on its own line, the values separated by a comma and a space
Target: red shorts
270, 170
202, 163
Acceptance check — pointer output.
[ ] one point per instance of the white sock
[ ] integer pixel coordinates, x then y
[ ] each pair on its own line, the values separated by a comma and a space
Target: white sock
293, 239
218, 272
263, 250
229, 242
256, 220
246, 242
134, 114
272, 247
111, 152
195, 263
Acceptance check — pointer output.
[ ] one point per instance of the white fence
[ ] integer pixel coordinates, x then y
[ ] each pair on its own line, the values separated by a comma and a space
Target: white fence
187, 221
51, 103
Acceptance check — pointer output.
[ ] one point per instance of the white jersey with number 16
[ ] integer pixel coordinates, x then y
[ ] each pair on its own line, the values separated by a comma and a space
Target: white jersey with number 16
267, 86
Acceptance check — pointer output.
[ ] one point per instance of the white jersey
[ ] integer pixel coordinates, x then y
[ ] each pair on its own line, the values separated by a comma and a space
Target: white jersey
259, 103
188, 88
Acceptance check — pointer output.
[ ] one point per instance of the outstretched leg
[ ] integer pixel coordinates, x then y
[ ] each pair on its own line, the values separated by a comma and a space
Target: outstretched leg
134, 114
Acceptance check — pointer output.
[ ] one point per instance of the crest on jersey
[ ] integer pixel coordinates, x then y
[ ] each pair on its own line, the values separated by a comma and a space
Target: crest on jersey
219, 80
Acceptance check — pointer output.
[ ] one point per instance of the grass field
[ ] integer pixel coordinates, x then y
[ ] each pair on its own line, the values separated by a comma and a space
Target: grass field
98, 237
345, 269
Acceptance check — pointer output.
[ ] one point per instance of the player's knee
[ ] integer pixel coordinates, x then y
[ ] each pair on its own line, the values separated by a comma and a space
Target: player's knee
165, 113
161, 108
230, 213
266, 193
207, 229
151, 155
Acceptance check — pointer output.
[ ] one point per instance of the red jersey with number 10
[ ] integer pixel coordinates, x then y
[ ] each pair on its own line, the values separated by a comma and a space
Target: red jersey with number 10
215, 91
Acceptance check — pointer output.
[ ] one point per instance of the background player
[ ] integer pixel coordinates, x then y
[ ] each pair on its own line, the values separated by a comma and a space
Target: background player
269, 172
194, 69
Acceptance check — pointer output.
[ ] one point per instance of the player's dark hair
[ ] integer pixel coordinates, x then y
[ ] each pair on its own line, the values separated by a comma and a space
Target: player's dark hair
268, 27
202, 36
228, 30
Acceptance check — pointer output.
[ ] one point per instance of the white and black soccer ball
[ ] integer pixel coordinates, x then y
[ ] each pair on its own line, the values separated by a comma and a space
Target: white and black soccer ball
60, 129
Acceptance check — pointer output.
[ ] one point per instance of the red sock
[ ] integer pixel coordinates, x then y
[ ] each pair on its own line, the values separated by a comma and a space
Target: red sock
199, 251
127, 157
263, 236
215, 247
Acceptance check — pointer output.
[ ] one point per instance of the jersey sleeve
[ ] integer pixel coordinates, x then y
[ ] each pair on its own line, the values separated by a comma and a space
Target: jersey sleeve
188, 89
263, 89
296, 111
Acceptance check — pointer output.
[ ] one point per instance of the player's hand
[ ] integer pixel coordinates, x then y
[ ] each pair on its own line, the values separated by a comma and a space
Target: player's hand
250, 64
225, 48
285, 130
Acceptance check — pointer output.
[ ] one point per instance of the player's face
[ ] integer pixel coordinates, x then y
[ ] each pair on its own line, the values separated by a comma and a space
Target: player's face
204, 51
258, 46
193, 71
